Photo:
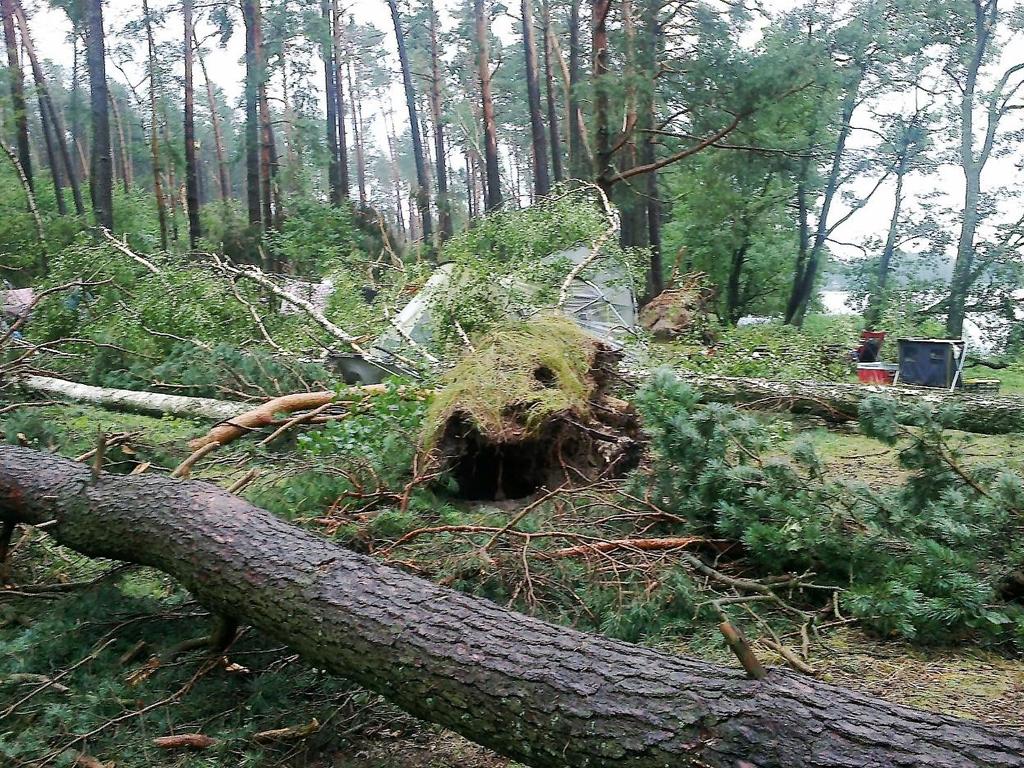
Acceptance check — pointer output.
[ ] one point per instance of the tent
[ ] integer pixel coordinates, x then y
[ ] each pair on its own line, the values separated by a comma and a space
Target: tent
600, 299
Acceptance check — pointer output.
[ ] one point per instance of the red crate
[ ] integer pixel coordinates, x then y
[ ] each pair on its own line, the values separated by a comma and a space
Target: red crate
876, 373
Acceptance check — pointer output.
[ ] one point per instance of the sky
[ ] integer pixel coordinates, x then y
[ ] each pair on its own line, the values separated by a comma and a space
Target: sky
50, 29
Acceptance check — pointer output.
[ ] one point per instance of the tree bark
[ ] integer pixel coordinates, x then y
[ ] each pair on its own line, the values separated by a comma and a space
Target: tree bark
422, 185
268, 152
538, 138
541, 694
806, 274
492, 186
126, 166
191, 161
101, 176
16, 83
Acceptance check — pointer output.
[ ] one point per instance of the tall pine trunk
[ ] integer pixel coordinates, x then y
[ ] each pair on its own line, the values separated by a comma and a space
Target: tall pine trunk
356, 111
538, 137
267, 151
57, 128
492, 187
17, 86
422, 185
122, 143
579, 165
549, 86
191, 162
330, 86
650, 47
396, 177
252, 131
444, 206
223, 171
154, 141
340, 56
101, 166
49, 139
599, 80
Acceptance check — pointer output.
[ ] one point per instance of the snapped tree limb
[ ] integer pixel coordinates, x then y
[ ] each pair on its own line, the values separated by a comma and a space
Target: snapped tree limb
541, 694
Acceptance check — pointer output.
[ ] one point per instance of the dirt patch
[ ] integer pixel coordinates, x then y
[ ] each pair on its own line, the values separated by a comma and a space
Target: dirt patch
964, 682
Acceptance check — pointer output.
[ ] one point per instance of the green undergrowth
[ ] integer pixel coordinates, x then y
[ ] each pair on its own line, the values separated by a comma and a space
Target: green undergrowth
269, 688
818, 350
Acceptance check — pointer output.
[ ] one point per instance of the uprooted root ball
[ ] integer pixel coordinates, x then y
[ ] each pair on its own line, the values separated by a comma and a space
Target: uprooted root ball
530, 409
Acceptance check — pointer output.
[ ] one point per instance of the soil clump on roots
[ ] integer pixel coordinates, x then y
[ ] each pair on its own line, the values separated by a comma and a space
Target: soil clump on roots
528, 409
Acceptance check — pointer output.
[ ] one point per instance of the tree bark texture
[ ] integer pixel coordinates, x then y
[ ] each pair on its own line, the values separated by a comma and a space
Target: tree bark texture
101, 173
150, 403
579, 165
599, 10
557, 173
541, 694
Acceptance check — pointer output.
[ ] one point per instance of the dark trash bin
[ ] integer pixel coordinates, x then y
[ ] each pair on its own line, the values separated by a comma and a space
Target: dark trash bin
931, 362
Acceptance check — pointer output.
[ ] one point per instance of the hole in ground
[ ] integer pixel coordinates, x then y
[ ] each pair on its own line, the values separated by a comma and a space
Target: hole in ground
492, 472
545, 376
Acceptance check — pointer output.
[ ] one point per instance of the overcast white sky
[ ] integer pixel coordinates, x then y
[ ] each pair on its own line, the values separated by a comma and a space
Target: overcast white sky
51, 28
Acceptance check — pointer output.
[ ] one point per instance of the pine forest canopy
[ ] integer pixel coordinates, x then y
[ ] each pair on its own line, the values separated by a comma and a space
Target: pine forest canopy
751, 141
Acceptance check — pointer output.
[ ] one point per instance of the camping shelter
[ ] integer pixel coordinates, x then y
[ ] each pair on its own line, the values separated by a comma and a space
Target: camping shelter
599, 298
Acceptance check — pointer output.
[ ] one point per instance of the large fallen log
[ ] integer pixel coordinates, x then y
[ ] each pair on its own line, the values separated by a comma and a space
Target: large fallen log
838, 402
541, 694
149, 403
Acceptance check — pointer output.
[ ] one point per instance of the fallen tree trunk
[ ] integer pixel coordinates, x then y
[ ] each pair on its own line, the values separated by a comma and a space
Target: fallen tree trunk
541, 694
149, 403
985, 414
